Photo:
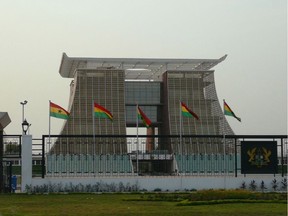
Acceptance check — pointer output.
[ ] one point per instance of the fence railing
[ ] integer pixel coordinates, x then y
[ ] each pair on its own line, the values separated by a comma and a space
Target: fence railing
75, 155
11, 146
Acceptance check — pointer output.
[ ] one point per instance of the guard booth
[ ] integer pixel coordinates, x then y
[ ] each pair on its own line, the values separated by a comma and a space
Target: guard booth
5, 177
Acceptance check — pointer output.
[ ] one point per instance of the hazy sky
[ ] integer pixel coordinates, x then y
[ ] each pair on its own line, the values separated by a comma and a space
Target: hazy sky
253, 78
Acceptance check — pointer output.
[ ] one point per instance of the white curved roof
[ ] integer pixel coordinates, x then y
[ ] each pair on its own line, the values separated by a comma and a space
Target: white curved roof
136, 68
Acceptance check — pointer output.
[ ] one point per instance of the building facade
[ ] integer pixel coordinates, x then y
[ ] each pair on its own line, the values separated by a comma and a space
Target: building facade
157, 86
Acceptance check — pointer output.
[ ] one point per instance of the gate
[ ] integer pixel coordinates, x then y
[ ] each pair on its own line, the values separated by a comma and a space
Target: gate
7, 176
11, 163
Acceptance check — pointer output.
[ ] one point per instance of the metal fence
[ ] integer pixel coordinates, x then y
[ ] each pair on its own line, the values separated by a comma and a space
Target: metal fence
73, 155
11, 146
10, 157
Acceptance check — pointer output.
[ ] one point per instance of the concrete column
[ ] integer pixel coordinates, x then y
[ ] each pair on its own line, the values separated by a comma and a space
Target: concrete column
1, 160
26, 157
150, 140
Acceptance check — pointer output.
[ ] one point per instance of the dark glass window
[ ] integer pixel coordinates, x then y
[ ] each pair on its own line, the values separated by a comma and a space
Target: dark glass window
146, 94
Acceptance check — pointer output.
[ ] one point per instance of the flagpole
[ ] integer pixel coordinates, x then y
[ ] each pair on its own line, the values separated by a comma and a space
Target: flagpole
137, 147
93, 127
180, 129
181, 148
49, 140
224, 134
49, 125
224, 147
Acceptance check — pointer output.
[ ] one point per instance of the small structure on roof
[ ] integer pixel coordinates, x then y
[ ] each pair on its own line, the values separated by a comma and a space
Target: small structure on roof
4, 120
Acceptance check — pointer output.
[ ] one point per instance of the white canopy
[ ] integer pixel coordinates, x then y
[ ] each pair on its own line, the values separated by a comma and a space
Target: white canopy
136, 68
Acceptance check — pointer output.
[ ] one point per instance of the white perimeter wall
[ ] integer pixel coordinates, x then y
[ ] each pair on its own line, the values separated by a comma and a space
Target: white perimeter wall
149, 183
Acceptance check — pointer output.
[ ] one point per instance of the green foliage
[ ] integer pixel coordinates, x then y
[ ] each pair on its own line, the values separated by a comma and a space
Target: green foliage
210, 195
284, 169
262, 186
12, 149
157, 190
216, 202
274, 184
36, 170
80, 188
243, 186
253, 185
284, 184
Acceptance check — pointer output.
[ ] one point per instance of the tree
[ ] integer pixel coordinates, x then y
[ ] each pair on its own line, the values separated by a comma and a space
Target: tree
12, 148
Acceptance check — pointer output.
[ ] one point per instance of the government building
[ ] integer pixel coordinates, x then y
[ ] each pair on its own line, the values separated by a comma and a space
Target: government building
157, 86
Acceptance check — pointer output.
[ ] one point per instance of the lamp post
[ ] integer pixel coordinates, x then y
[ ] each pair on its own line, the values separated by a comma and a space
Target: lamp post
25, 126
23, 104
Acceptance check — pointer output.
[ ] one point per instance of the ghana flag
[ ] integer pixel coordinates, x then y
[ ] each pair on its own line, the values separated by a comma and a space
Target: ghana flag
58, 112
141, 115
101, 112
228, 111
187, 112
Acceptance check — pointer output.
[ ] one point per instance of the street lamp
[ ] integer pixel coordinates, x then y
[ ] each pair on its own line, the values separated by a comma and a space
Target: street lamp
25, 126
23, 104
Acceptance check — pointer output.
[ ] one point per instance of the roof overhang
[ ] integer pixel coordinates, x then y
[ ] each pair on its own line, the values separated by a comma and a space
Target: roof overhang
4, 120
136, 68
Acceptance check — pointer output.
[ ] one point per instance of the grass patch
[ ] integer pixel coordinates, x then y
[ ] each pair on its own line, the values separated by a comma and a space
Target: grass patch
210, 195
134, 204
227, 201
36, 170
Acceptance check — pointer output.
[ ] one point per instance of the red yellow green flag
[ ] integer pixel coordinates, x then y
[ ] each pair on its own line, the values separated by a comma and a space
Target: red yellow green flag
187, 112
101, 112
141, 115
228, 111
58, 112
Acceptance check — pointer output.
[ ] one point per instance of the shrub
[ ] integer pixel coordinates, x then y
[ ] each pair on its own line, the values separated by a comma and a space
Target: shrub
208, 196
253, 185
274, 184
80, 188
284, 184
262, 186
157, 190
243, 186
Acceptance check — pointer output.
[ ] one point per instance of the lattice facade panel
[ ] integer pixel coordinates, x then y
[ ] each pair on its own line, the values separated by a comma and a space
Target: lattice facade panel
197, 90
105, 87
